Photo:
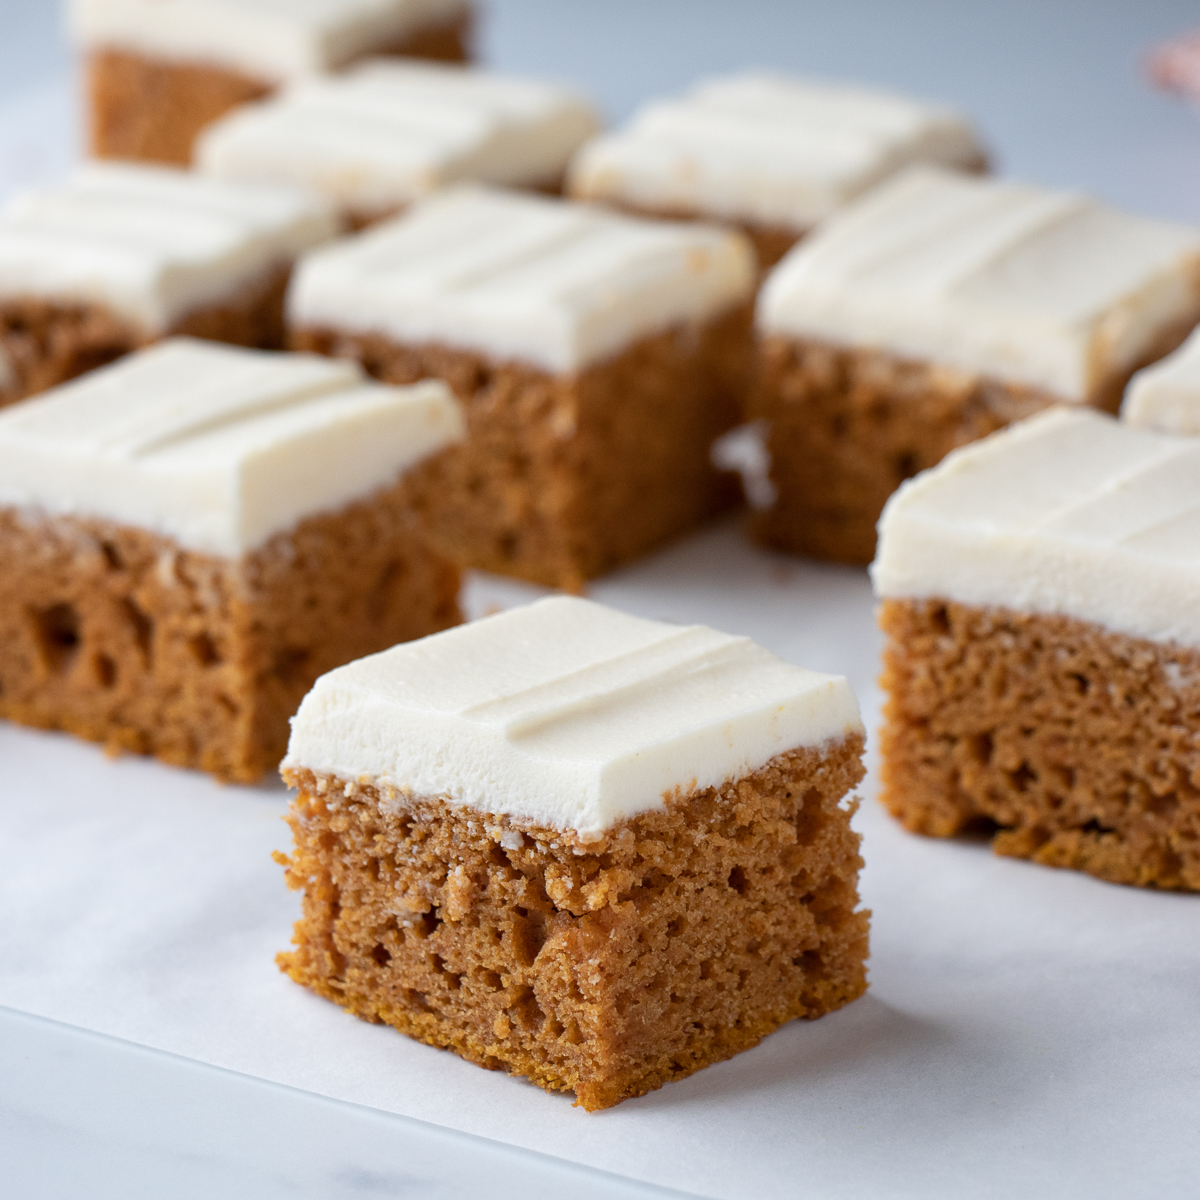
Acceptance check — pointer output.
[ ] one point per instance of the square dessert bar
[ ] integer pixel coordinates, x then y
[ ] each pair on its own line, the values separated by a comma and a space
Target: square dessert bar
598, 357
389, 132
159, 71
936, 309
120, 256
1166, 396
189, 537
593, 850
771, 153
1042, 658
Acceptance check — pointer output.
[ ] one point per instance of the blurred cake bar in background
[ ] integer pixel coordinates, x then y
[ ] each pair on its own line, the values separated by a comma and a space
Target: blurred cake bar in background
1042, 657
594, 850
1166, 396
159, 71
936, 309
770, 153
121, 255
189, 537
387, 133
598, 356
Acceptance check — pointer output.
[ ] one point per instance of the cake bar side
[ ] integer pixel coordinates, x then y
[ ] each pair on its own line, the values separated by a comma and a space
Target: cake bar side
604, 968
848, 425
1071, 745
119, 636
565, 477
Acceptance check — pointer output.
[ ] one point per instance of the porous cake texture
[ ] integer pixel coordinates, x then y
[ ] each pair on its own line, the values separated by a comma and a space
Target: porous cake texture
120, 256
593, 850
159, 71
191, 536
598, 357
1042, 662
773, 153
389, 132
939, 308
1166, 396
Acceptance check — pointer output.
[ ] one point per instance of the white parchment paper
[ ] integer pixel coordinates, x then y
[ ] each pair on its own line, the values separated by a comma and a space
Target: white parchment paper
1027, 1031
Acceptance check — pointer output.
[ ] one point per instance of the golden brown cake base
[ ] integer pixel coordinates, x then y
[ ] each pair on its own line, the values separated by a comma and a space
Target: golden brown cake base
847, 426
567, 476
117, 635
47, 342
1072, 746
153, 109
604, 968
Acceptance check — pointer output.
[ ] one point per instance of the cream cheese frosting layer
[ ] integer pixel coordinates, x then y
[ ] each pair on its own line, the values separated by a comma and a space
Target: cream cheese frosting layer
768, 149
1016, 283
554, 284
217, 447
391, 131
271, 40
1166, 396
152, 243
1070, 512
566, 714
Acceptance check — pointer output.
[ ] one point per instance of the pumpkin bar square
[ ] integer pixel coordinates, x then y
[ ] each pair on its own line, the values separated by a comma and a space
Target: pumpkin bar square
1042, 656
936, 309
158, 71
189, 537
120, 256
598, 357
585, 848
772, 153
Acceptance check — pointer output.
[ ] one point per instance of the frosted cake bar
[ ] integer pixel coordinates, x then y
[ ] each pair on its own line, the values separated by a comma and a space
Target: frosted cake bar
936, 309
594, 850
773, 153
189, 537
1042, 660
387, 133
1166, 396
159, 71
598, 357
119, 256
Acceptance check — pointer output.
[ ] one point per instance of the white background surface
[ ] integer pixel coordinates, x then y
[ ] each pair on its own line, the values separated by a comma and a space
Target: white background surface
1027, 1032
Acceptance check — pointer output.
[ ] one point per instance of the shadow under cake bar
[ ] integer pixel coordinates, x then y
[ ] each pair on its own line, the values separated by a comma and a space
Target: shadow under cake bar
189, 537
772, 153
936, 309
159, 71
387, 133
120, 256
594, 850
1042, 657
1166, 396
598, 357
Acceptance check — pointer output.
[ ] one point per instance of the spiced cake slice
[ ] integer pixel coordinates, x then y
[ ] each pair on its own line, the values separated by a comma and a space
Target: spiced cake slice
119, 256
389, 132
158, 71
189, 537
1042, 660
593, 850
935, 309
1166, 396
772, 153
598, 356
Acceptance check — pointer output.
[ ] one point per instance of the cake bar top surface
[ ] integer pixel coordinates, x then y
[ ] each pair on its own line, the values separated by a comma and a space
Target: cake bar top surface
557, 285
1166, 396
271, 40
1070, 512
151, 244
566, 714
1016, 283
214, 446
768, 149
391, 130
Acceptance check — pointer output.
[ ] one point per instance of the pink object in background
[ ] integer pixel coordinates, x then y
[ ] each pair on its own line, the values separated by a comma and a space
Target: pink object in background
1175, 65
